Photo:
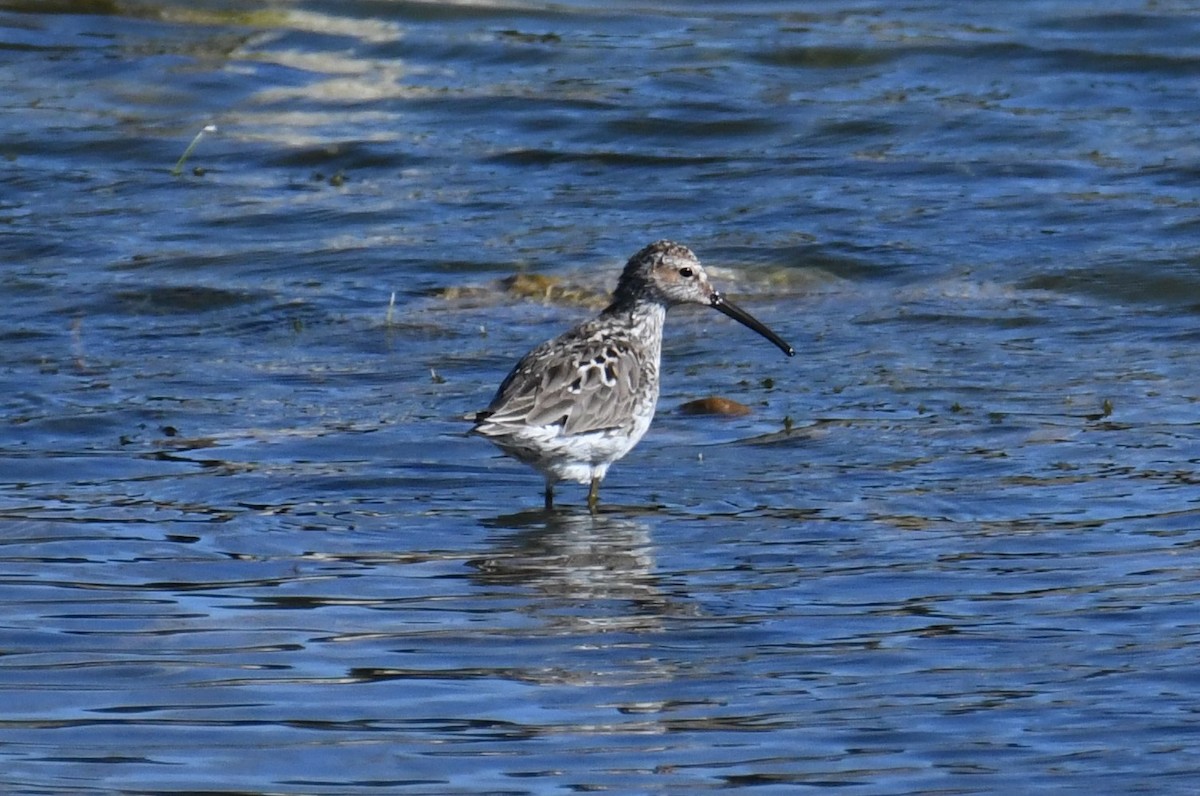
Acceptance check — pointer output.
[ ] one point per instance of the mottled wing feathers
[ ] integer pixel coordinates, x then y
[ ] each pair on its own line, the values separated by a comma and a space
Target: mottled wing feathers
607, 388
582, 381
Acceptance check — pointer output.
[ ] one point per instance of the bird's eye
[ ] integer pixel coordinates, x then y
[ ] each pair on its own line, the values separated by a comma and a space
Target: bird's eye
686, 272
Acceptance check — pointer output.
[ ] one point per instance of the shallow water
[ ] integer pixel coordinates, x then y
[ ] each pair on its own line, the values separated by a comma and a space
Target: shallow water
247, 546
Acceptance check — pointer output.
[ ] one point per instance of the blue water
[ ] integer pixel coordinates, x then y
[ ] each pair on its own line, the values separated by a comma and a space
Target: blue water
247, 547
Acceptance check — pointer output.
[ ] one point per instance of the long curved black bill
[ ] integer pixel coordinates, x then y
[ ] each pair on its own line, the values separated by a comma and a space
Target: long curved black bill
727, 307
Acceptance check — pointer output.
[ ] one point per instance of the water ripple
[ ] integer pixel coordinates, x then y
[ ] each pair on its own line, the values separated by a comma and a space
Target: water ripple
249, 546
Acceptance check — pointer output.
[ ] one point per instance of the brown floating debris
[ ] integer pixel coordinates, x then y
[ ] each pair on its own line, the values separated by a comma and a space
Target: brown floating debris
536, 286
714, 405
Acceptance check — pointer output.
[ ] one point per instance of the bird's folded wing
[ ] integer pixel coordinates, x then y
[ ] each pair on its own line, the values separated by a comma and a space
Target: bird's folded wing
591, 386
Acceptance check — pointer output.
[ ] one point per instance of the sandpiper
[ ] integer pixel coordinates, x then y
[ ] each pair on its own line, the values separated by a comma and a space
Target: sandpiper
577, 403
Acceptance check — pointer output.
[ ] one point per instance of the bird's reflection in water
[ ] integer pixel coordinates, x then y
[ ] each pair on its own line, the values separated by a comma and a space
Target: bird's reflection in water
593, 572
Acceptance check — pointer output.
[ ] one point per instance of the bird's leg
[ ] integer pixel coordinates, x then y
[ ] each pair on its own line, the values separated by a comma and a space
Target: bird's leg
549, 495
594, 496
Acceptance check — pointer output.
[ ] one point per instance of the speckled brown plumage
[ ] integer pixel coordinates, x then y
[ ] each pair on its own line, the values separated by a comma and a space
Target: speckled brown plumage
577, 403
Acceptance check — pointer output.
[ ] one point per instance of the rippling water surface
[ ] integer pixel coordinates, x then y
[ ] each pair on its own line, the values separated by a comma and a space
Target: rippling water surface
247, 546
